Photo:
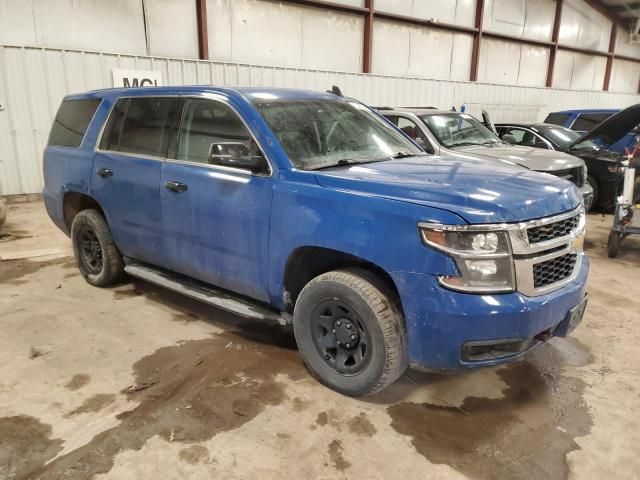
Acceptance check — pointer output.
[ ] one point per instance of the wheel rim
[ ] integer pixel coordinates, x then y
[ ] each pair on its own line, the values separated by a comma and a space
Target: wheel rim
89, 250
340, 336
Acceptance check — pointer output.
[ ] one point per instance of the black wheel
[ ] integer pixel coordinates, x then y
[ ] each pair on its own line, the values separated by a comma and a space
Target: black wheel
350, 333
596, 192
97, 257
613, 244
636, 191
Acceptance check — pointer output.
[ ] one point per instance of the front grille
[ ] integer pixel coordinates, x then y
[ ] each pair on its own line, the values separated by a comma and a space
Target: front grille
554, 270
553, 230
574, 175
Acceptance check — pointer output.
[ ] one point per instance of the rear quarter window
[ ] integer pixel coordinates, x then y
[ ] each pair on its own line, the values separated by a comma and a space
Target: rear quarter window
557, 118
72, 121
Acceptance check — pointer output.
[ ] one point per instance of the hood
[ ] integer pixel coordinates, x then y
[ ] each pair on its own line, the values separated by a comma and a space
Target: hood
479, 192
613, 128
537, 159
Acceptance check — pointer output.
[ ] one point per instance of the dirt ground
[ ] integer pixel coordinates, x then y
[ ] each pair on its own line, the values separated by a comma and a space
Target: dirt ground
135, 382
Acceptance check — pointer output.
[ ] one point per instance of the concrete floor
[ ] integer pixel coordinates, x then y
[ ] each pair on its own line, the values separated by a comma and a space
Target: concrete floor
136, 382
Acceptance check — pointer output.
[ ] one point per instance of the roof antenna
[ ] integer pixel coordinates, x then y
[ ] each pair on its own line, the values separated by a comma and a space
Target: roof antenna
335, 90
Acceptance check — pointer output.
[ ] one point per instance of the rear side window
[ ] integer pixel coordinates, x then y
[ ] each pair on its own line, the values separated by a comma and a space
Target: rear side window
557, 119
588, 121
72, 121
139, 125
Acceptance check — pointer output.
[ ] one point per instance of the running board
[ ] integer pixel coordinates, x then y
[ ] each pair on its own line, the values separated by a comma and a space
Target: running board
204, 293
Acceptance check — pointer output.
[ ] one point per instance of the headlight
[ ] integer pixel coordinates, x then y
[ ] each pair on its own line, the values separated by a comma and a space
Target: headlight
483, 258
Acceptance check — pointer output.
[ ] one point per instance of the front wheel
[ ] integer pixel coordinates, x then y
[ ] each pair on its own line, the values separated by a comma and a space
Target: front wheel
96, 254
613, 244
350, 333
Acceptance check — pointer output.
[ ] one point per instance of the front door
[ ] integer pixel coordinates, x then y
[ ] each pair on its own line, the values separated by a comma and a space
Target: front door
216, 218
126, 174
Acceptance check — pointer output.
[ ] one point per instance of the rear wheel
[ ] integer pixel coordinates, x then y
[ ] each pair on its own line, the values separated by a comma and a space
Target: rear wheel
350, 333
613, 244
97, 256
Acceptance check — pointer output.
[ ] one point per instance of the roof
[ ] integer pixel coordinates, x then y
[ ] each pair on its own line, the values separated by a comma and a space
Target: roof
416, 111
589, 110
247, 92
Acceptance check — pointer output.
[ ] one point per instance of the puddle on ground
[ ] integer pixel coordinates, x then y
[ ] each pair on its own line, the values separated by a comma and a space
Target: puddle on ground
25, 443
194, 454
93, 404
78, 381
12, 271
530, 429
186, 393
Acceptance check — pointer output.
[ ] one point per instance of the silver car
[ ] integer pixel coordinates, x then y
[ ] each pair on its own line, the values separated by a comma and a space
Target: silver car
447, 133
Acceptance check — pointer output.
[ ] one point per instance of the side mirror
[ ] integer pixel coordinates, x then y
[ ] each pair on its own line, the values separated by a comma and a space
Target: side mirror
510, 139
236, 155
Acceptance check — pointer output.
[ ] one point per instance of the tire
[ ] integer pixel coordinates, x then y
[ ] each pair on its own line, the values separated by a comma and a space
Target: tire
636, 191
89, 231
339, 299
596, 191
613, 244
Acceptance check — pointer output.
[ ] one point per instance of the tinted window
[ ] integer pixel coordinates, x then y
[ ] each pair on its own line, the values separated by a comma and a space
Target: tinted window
557, 118
71, 122
588, 121
140, 126
205, 122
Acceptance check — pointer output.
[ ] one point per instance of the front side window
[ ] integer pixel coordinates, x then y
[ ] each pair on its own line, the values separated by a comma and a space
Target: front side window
139, 126
72, 121
318, 133
588, 121
458, 130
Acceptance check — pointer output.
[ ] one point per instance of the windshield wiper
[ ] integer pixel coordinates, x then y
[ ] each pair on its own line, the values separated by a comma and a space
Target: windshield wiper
462, 144
341, 163
404, 155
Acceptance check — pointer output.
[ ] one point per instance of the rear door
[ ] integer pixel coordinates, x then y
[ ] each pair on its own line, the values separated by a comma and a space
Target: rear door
126, 173
216, 218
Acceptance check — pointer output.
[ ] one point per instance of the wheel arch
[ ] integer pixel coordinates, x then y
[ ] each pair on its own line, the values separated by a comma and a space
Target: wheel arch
74, 202
307, 262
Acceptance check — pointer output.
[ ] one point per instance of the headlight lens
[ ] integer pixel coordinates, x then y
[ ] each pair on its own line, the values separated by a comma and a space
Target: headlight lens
483, 258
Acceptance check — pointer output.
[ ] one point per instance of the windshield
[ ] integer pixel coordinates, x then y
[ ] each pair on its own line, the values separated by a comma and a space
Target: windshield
323, 133
458, 129
561, 136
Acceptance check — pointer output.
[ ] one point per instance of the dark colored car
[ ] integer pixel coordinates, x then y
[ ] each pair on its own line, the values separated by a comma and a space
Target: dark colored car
593, 147
584, 120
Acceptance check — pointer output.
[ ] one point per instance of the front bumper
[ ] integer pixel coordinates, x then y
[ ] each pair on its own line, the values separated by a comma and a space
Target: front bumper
440, 322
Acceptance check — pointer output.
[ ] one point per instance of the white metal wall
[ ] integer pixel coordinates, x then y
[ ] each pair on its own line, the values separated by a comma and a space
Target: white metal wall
33, 82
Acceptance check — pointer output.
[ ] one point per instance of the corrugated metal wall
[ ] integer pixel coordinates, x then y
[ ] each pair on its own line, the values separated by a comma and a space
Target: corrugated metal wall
34, 80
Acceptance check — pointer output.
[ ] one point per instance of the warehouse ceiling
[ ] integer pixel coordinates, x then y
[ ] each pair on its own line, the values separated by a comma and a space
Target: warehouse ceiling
626, 11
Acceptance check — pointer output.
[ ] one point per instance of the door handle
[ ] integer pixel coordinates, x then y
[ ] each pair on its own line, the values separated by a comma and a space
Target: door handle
104, 172
175, 186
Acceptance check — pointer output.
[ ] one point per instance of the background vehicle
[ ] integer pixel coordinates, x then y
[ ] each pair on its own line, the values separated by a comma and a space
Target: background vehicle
626, 220
593, 147
447, 133
584, 120
308, 208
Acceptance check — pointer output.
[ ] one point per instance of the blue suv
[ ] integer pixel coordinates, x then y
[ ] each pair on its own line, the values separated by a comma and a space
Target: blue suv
310, 209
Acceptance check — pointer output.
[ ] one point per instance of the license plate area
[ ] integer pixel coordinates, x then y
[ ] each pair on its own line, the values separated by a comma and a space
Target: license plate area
574, 318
